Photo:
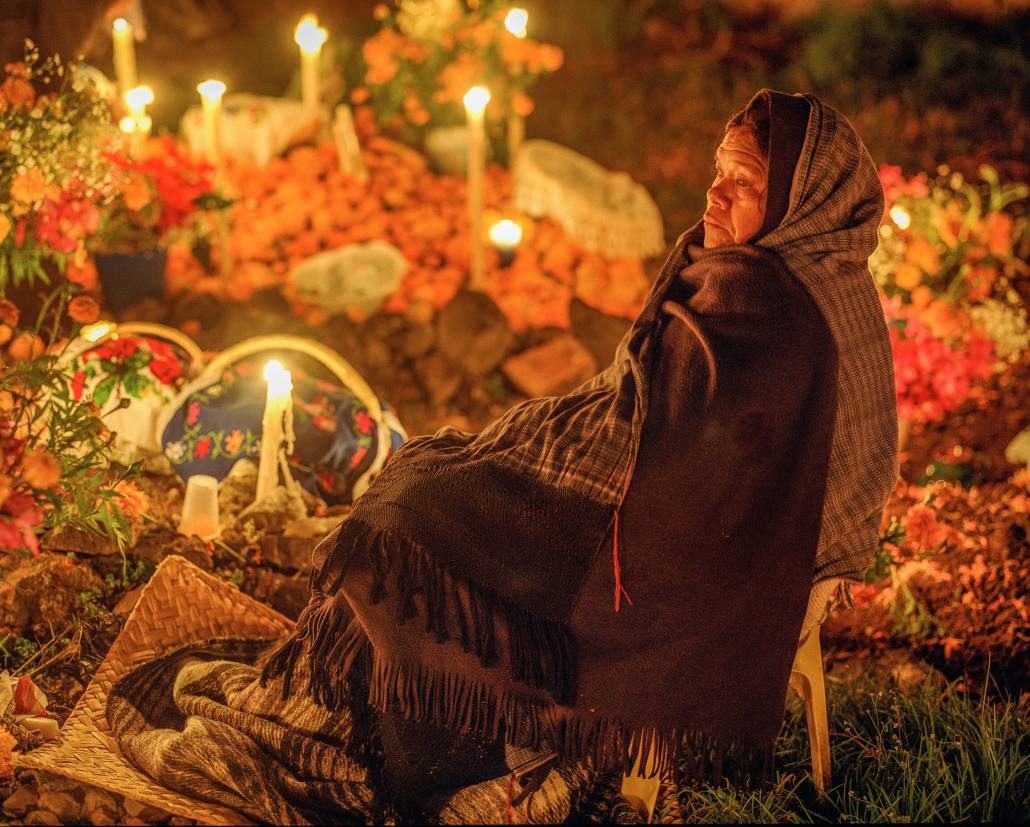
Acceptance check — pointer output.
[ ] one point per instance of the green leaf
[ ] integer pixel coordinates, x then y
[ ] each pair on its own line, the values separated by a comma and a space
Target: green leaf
104, 390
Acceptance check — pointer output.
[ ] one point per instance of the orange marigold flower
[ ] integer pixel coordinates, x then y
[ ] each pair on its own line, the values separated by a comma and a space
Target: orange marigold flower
551, 57
40, 468
5, 226
522, 104
9, 312
381, 11
28, 187
7, 744
922, 528
26, 346
360, 94
17, 92
131, 500
85, 275
924, 254
908, 276
136, 191
5, 334
83, 309
999, 234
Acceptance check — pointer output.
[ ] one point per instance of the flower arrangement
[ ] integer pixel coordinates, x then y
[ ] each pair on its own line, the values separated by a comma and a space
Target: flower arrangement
949, 260
425, 58
54, 172
937, 357
154, 199
54, 447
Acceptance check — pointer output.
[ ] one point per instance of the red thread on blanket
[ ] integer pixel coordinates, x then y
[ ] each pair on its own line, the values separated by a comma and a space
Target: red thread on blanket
619, 590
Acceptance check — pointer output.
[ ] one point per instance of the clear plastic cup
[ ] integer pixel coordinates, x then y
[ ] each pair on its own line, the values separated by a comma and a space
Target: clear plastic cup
200, 507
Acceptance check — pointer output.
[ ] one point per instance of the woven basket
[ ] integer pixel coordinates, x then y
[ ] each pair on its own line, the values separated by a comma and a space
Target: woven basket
181, 604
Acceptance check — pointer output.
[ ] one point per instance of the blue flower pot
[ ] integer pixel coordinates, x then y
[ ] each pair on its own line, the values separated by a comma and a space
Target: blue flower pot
128, 278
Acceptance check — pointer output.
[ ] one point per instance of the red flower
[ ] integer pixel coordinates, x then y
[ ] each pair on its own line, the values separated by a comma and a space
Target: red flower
193, 413
114, 349
364, 422
166, 371
358, 456
203, 448
78, 384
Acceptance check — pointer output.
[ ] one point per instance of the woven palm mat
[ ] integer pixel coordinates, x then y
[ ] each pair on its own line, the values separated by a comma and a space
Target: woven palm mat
180, 604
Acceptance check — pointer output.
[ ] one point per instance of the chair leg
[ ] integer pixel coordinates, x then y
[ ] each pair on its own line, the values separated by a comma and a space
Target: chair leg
806, 677
640, 791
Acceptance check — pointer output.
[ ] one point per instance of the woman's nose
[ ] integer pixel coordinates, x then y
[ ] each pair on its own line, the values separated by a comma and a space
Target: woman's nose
717, 194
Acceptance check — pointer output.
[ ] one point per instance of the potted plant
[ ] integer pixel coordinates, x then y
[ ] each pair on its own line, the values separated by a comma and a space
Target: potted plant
155, 199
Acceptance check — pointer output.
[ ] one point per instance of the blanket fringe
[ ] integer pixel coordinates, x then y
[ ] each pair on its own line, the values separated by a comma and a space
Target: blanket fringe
542, 652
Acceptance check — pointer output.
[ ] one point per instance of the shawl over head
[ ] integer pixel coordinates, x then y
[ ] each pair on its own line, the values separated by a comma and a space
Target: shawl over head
479, 570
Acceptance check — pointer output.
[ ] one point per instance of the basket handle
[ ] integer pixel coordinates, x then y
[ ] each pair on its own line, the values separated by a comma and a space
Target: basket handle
159, 331
350, 378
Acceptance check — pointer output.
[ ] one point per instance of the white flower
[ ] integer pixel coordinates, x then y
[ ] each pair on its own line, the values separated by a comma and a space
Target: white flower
175, 451
1005, 325
426, 20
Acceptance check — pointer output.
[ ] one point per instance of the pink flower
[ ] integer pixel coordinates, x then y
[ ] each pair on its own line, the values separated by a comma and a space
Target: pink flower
922, 528
193, 413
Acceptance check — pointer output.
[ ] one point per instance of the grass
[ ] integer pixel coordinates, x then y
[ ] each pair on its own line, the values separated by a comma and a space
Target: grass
926, 753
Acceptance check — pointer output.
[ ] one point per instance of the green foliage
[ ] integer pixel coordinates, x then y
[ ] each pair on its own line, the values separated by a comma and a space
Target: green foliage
44, 414
928, 753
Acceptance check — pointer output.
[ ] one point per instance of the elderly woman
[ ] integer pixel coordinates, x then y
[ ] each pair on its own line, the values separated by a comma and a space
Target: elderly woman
626, 569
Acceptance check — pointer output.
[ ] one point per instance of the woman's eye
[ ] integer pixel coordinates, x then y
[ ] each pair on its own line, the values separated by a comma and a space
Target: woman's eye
743, 183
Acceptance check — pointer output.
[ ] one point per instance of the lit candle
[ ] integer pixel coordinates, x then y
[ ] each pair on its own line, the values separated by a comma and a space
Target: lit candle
139, 130
211, 92
515, 23
124, 54
310, 39
276, 427
475, 102
506, 235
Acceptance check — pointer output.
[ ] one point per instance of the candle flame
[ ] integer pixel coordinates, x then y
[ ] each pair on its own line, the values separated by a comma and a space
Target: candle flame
516, 22
476, 99
273, 369
279, 380
96, 332
127, 124
506, 233
308, 35
139, 97
211, 89
121, 24
900, 217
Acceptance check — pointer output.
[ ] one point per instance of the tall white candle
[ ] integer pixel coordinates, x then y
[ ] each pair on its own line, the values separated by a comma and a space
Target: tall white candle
211, 92
310, 39
124, 55
475, 102
278, 414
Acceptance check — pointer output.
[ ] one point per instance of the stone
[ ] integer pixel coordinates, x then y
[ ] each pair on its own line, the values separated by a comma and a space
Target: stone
127, 602
138, 809
473, 332
80, 542
275, 510
42, 817
418, 340
599, 332
292, 549
100, 808
156, 546
440, 378
40, 594
551, 369
64, 805
288, 594
20, 801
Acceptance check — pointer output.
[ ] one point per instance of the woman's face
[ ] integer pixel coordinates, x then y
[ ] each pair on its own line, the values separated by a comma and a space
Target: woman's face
736, 199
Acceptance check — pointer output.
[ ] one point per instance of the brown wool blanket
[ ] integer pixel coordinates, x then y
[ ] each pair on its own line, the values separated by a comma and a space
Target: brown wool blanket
480, 572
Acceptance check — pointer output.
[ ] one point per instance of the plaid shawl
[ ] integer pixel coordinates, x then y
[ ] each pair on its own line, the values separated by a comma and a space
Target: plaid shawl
495, 545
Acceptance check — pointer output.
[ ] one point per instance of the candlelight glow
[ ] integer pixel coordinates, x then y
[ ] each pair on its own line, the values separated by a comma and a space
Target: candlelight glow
96, 332
900, 217
127, 124
516, 22
506, 234
308, 35
476, 99
120, 25
139, 97
275, 374
213, 89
